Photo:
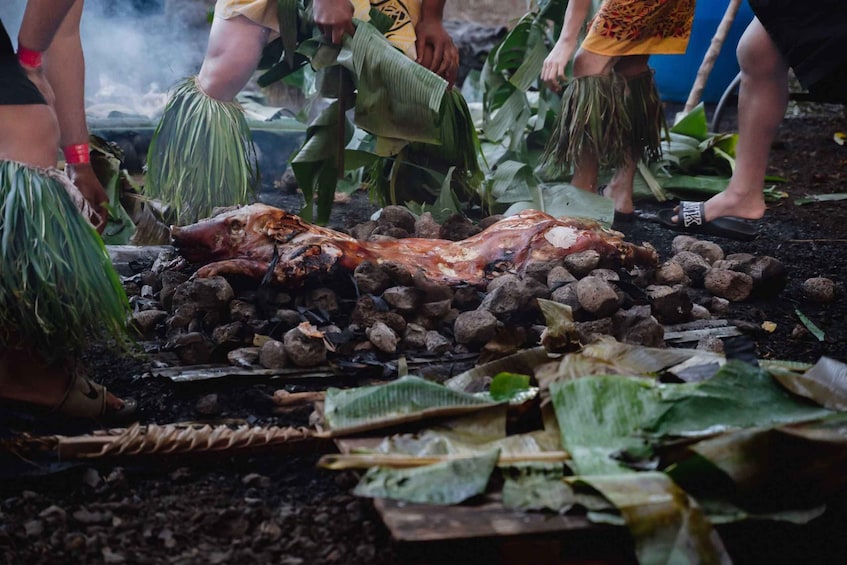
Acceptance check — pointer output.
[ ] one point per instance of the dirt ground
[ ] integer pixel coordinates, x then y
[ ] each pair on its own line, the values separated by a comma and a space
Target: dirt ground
280, 509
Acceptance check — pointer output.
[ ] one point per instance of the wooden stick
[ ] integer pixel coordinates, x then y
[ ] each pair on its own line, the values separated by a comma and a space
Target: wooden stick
397, 461
711, 55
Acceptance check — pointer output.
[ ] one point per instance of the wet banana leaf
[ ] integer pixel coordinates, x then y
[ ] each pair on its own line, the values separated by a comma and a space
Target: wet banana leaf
738, 396
562, 199
404, 400
599, 418
668, 526
825, 383
447, 483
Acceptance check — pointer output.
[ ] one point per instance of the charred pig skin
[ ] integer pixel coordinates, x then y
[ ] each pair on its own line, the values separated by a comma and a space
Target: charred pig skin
243, 241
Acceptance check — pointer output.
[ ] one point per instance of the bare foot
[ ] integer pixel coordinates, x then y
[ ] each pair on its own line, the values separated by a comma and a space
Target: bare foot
621, 196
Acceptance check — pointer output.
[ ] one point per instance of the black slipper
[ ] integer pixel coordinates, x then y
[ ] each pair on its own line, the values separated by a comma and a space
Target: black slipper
693, 222
621, 218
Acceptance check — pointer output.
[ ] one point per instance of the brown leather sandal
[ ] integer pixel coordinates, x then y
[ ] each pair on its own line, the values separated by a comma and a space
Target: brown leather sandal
84, 399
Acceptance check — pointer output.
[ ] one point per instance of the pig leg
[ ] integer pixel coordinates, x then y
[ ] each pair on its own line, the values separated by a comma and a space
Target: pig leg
246, 267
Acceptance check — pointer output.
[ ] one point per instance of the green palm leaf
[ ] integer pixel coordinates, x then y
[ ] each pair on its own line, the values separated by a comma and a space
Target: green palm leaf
57, 284
201, 155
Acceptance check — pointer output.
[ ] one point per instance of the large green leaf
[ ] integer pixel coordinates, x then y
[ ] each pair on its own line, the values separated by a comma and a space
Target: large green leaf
396, 96
738, 396
599, 417
693, 124
560, 200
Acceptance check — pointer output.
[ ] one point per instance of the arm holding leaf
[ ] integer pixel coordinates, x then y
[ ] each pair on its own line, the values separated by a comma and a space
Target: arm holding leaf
553, 70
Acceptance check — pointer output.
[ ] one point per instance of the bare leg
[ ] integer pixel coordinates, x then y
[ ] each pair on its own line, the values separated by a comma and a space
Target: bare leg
762, 101
235, 48
619, 188
586, 168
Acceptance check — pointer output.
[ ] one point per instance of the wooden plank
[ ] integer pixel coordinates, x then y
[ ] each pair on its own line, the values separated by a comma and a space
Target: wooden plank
696, 335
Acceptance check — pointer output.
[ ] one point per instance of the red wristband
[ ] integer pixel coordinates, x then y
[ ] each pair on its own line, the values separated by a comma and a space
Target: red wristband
28, 57
75, 154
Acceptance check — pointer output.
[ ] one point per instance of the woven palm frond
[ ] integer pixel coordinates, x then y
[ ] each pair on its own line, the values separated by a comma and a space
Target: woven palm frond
594, 121
647, 118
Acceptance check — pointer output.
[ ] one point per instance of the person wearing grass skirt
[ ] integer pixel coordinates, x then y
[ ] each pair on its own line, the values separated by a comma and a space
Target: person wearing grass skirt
201, 155
58, 287
611, 112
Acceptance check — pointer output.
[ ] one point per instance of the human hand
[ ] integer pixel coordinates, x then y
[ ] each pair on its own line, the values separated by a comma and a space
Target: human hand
334, 18
83, 177
436, 50
553, 69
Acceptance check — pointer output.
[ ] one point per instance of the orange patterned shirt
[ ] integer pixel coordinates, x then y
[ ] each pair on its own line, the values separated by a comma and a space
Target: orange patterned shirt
640, 27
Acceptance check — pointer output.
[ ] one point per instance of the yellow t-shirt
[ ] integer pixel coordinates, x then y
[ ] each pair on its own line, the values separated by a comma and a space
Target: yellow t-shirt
406, 14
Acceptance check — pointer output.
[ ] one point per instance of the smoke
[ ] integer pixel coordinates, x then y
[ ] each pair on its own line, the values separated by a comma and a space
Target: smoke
135, 50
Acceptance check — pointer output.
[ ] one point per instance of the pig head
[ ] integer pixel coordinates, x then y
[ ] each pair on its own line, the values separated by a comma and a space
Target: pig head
260, 240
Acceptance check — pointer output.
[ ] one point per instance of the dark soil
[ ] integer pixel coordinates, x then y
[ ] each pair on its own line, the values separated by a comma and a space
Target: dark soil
282, 509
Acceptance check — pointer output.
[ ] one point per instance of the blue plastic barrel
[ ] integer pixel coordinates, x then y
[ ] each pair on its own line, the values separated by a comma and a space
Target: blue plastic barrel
675, 74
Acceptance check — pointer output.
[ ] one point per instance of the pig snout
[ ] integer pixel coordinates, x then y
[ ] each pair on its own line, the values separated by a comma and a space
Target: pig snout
195, 242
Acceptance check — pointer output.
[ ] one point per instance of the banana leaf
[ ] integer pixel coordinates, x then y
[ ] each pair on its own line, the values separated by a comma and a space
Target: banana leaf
474, 434
693, 124
567, 200
513, 181
407, 399
106, 163
316, 164
560, 333
524, 361
396, 97
608, 356
667, 524
738, 396
598, 418
447, 483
